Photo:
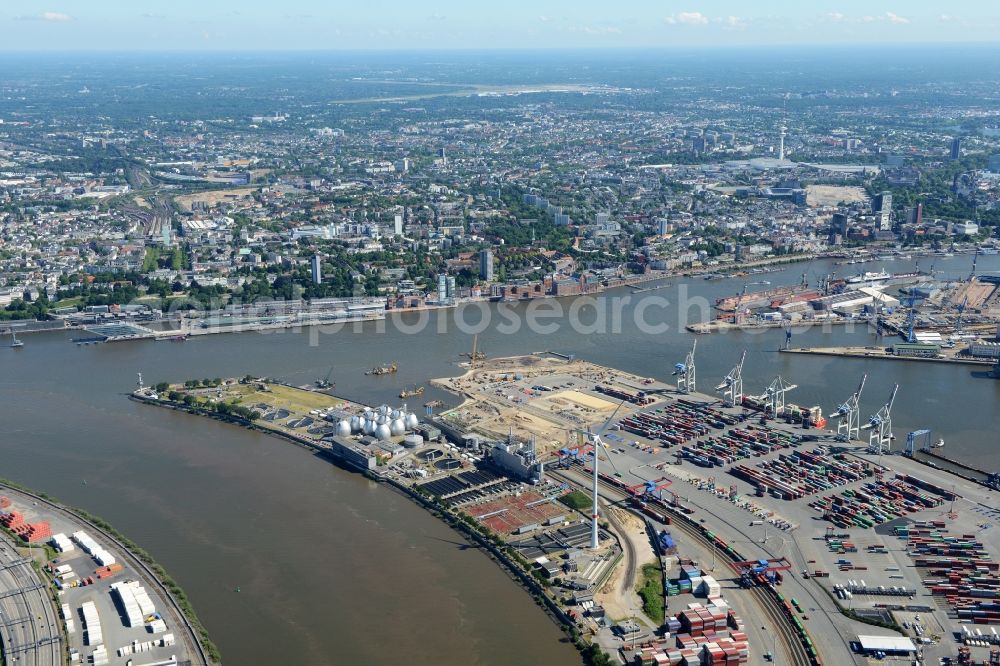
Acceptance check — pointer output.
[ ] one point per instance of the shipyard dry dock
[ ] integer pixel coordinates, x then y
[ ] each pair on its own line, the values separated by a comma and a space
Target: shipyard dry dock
852, 535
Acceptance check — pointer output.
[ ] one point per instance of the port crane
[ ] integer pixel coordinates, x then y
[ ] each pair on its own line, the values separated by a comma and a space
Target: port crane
743, 293
877, 302
961, 315
686, 372
597, 444
776, 395
849, 426
880, 427
576, 454
652, 487
762, 571
732, 385
911, 441
911, 316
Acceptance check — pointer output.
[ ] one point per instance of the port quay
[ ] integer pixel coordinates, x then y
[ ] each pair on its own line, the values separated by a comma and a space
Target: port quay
722, 509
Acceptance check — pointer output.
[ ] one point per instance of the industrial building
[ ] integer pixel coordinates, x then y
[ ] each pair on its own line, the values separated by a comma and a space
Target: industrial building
887, 645
518, 460
985, 349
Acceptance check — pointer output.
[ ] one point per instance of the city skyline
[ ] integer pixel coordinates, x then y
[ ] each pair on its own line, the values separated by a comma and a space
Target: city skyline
390, 24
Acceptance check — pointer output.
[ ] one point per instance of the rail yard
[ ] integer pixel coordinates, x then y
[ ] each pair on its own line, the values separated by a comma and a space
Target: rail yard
70, 593
839, 528
729, 529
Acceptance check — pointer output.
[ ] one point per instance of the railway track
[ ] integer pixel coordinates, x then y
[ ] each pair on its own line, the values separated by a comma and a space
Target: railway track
778, 621
31, 631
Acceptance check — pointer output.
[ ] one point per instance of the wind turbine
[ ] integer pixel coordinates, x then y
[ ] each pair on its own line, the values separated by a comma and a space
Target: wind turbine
597, 443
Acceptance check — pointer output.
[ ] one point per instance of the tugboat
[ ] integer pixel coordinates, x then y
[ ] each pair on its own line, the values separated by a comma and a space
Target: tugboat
382, 370
15, 343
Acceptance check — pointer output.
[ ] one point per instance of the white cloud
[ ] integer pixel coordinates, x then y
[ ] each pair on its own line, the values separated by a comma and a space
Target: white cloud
52, 17
544, 19
732, 22
944, 18
687, 18
603, 30
888, 17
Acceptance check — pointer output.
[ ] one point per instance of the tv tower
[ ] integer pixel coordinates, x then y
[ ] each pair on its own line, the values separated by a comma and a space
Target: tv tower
783, 129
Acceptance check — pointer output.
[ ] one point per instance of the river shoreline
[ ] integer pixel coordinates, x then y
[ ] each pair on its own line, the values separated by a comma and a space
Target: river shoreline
517, 571
140, 559
502, 554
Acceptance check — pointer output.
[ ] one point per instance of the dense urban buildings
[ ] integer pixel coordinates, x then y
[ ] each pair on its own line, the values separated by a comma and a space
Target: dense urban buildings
658, 513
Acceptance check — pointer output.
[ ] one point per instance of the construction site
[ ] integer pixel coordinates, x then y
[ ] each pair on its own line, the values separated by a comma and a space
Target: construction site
822, 524
709, 521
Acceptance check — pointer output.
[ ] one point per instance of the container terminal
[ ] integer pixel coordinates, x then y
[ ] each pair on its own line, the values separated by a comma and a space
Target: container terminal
712, 511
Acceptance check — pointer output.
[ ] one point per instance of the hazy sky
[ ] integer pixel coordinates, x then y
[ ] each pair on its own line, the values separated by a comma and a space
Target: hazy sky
407, 24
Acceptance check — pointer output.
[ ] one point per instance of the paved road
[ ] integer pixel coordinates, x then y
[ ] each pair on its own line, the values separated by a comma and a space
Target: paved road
29, 627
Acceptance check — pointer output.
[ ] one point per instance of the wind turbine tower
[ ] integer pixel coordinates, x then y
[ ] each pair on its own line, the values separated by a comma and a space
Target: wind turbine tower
597, 444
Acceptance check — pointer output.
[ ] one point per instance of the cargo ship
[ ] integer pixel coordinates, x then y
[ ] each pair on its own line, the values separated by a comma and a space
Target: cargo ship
868, 279
411, 393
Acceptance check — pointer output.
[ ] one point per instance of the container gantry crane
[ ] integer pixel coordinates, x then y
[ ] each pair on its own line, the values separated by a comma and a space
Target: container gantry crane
880, 427
776, 395
732, 385
849, 413
686, 372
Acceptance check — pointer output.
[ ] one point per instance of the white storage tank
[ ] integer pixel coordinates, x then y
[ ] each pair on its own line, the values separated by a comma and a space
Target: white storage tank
396, 427
368, 427
344, 428
356, 423
410, 421
413, 441
382, 432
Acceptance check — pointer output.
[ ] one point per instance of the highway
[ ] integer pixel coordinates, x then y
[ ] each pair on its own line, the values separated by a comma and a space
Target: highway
29, 626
